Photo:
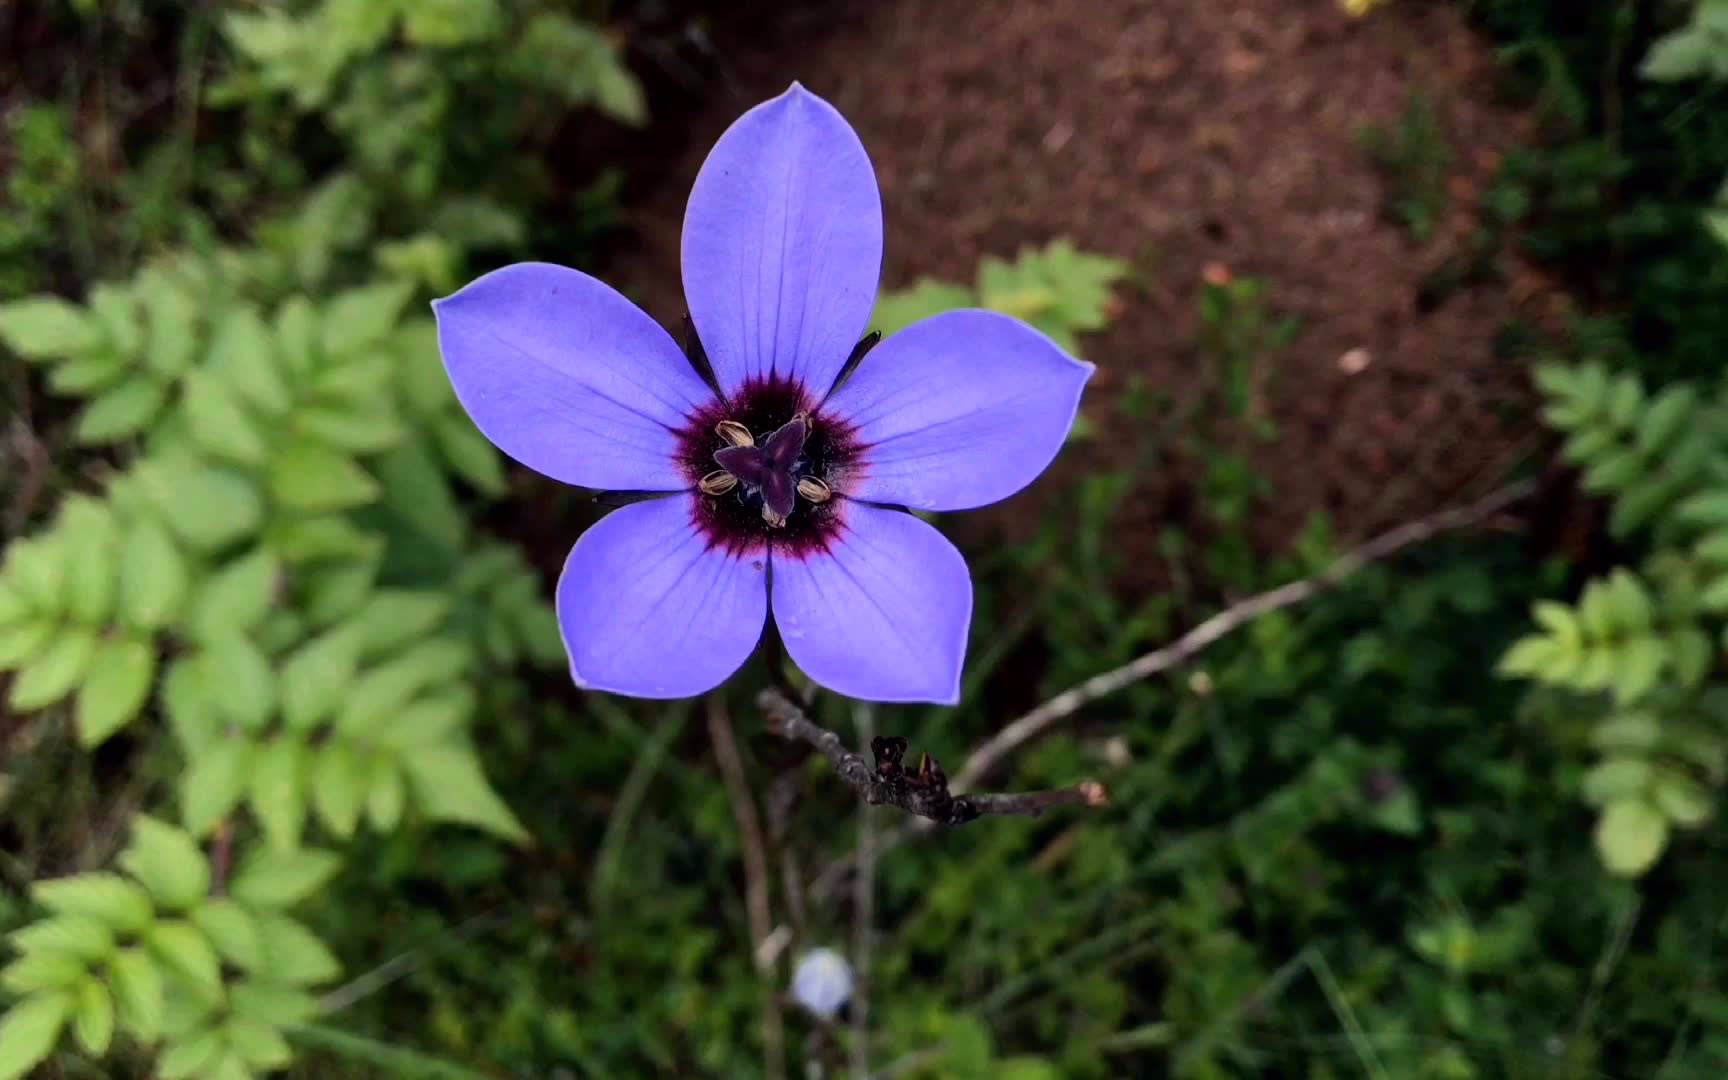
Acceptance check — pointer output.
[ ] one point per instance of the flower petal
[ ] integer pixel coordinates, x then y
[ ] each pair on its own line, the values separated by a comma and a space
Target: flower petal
568, 377
648, 609
883, 614
782, 247
959, 410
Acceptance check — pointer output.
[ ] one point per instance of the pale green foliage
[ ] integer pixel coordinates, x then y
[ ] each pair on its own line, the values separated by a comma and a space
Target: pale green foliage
1649, 639
209, 982
1696, 50
1058, 289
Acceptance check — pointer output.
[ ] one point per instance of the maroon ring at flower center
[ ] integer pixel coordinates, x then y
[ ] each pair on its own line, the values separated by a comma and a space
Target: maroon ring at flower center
783, 475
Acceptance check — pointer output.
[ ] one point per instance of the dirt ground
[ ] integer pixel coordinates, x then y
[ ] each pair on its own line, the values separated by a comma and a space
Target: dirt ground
1194, 138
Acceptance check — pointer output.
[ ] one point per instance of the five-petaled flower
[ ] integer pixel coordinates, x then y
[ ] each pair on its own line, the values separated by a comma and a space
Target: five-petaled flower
788, 459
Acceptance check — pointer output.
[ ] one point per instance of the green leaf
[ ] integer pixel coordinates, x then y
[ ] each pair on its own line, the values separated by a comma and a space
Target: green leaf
56, 671
122, 410
237, 597
304, 540
393, 617
898, 309
190, 703
1638, 667
115, 311
118, 685
363, 317
387, 688
153, 576
335, 592
281, 879
214, 782
88, 375
1689, 649
107, 898
1627, 731
93, 1017
386, 793
78, 936
40, 327
1616, 778
1665, 418
185, 952
29, 1031
449, 786
1683, 54
278, 790
1685, 801
230, 1066
1630, 836
317, 676
189, 1007
137, 986
37, 568
42, 971
242, 353
309, 477
339, 786
246, 690
93, 546
281, 1006
260, 1044
293, 954
442, 23
470, 456
426, 722
231, 930
194, 1056
20, 644
218, 422
170, 335
167, 862
207, 506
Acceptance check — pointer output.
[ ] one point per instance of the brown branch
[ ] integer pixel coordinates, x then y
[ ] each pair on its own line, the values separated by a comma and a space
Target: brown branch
923, 793
755, 879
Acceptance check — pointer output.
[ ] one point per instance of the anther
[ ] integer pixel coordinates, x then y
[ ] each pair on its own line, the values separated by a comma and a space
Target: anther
814, 490
774, 520
718, 482
734, 433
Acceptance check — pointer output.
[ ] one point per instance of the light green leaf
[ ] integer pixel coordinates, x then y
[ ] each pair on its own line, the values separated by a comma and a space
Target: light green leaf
392, 617
281, 1006
281, 879
37, 569
242, 353
93, 547
293, 954
41, 327
259, 1043
246, 687
386, 793
1638, 667
214, 782
122, 410
88, 375
1683, 54
107, 898
167, 862
1685, 801
194, 1056
385, 689
93, 1017
115, 311
1627, 731
1616, 778
29, 1031
137, 985
317, 676
443, 23
304, 540
313, 478
42, 971
218, 422
339, 786
118, 685
78, 936
426, 722
188, 1007
363, 317
171, 336
278, 790
185, 952
153, 576
1665, 418
449, 786
1630, 836
335, 592
237, 597
191, 706
1690, 650
230, 1066
898, 309
469, 454
21, 643
231, 930
207, 506
354, 430
56, 671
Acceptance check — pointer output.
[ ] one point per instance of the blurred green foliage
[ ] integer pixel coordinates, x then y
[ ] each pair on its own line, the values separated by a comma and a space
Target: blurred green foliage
295, 778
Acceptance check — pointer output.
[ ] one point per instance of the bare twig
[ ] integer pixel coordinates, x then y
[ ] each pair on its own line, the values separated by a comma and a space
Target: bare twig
923, 793
1018, 732
863, 911
755, 880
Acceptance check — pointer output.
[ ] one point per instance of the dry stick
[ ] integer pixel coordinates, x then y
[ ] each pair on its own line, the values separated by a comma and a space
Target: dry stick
755, 879
923, 793
1234, 617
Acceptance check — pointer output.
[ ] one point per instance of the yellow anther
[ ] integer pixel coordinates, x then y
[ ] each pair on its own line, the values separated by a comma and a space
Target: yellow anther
774, 520
718, 482
734, 433
814, 490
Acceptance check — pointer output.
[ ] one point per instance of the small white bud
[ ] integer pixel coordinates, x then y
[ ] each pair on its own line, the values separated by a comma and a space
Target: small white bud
823, 982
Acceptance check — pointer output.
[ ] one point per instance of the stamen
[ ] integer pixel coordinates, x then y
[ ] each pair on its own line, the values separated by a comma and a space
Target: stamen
718, 482
734, 433
814, 490
777, 521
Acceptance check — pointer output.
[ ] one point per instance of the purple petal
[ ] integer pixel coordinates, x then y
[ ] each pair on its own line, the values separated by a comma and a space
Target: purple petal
568, 377
783, 244
959, 410
883, 614
648, 609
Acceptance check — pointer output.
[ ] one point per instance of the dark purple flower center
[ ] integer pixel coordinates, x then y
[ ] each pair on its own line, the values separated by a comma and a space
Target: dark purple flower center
769, 469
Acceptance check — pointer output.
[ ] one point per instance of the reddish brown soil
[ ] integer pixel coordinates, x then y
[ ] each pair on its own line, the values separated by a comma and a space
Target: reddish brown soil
1193, 137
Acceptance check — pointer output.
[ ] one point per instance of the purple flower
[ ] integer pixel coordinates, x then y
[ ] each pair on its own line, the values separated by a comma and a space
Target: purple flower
787, 475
